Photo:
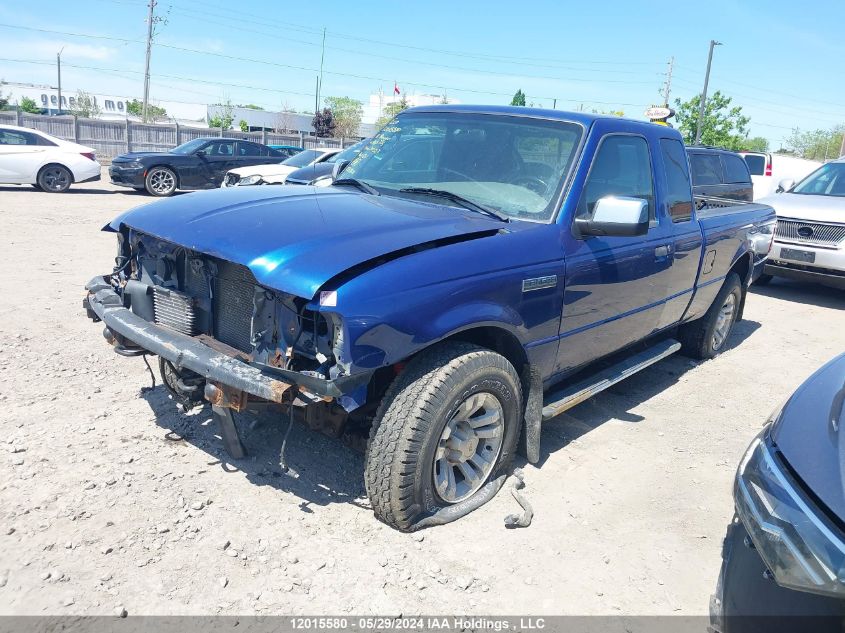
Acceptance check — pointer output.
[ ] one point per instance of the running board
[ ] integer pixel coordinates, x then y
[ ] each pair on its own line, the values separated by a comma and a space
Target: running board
556, 403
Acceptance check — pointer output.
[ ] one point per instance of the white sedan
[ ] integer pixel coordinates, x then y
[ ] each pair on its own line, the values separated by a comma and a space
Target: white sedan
31, 157
275, 174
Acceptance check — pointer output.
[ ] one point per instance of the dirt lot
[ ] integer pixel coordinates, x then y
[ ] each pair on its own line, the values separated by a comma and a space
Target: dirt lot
111, 499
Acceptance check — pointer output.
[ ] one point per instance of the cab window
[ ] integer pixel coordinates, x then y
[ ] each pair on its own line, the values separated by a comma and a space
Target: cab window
621, 167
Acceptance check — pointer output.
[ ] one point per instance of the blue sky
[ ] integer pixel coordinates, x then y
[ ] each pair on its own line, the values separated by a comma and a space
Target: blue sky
781, 63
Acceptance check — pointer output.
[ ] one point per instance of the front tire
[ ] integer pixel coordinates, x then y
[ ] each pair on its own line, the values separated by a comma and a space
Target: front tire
447, 425
706, 337
54, 179
160, 182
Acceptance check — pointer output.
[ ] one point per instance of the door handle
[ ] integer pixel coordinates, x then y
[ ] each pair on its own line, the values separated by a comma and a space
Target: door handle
662, 251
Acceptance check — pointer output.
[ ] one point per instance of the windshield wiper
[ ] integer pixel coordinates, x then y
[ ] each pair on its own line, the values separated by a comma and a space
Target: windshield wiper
458, 199
363, 186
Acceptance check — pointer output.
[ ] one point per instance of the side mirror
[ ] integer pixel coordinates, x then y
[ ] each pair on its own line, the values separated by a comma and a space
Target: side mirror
200, 153
339, 166
785, 185
618, 216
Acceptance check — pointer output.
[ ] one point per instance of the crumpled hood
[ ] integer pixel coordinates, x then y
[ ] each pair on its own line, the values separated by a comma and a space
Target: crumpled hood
295, 239
273, 169
811, 436
807, 207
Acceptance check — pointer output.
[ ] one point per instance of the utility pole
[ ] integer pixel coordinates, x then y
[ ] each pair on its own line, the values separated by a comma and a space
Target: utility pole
150, 22
667, 87
59, 70
713, 43
322, 57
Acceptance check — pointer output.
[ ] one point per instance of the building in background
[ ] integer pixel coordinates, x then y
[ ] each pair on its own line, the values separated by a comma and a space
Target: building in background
283, 122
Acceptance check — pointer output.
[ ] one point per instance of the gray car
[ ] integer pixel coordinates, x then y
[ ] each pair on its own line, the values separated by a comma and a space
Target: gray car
810, 236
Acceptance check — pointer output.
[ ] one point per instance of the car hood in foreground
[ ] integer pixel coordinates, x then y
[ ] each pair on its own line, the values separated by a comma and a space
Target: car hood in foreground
810, 436
807, 207
295, 239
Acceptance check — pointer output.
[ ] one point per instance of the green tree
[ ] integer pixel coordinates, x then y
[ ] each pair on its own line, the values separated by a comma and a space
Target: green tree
619, 113
224, 118
154, 112
250, 106
755, 144
243, 125
29, 105
816, 144
722, 125
347, 115
323, 123
390, 111
85, 107
518, 98
4, 97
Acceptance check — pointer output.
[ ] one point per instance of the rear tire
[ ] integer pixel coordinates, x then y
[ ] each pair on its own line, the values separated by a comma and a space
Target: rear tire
160, 182
54, 178
706, 337
447, 425
763, 280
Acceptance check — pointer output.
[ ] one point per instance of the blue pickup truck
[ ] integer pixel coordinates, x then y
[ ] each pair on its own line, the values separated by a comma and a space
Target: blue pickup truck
471, 273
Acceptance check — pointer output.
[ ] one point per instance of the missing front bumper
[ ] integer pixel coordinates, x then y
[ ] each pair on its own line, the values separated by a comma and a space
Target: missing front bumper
268, 383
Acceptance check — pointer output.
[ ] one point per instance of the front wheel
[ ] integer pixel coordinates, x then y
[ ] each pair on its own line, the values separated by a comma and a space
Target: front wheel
448, 425
160, 181
706, 337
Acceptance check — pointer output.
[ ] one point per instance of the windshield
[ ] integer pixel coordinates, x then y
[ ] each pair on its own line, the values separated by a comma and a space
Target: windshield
349, 153
303, 159
190, 147
511, 164
827, 180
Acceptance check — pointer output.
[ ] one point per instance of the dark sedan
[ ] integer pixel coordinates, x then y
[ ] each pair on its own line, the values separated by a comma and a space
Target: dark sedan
320, 174
197, 164
784, 556
718, 173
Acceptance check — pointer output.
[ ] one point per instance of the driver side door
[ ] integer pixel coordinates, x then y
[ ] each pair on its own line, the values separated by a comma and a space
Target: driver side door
217, 158
615, 285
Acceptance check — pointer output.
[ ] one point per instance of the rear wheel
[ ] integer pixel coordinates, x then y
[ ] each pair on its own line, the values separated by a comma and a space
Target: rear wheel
706, 337
54, 179
448, 425
160, 181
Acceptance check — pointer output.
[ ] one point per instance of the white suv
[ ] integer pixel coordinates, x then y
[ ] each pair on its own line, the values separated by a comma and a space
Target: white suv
31, 157
810, 237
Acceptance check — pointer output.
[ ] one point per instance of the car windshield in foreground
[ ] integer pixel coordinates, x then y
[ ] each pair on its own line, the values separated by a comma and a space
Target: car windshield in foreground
190, 147
827, 180
303, 159
514, 166
349, 153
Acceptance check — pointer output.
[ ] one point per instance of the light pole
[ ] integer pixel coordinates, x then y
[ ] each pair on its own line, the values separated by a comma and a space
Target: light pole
713, 43
59, 70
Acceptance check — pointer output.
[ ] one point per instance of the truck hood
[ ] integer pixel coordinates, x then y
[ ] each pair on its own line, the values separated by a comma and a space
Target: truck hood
295, 239
807, 207
811, 437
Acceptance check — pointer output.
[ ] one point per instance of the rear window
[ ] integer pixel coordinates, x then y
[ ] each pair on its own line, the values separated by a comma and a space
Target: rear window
735, 169
706, 169
678, 194
756, 164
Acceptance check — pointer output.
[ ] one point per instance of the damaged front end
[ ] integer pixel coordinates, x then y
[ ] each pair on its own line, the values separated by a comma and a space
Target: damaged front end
222, 336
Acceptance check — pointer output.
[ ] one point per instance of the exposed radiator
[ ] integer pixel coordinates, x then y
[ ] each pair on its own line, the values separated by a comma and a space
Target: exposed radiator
234, 287
174, 310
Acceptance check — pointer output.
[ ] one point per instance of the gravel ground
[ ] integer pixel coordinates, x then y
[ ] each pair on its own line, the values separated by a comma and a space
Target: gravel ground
112, 500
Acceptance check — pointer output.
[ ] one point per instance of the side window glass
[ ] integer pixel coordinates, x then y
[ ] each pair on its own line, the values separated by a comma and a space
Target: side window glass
249, 149
678, 193
220, 148
621, 167
706, 169
735, 169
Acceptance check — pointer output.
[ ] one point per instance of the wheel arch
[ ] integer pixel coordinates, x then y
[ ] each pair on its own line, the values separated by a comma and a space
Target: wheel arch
175, 171
743, 267
54, 163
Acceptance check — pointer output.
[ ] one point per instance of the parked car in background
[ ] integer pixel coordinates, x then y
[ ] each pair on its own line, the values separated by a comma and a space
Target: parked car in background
32, 157
810, 236
320, 174
287, 150
433, 296
767, 170
275, 174
784, 554
198, 164
719, 173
